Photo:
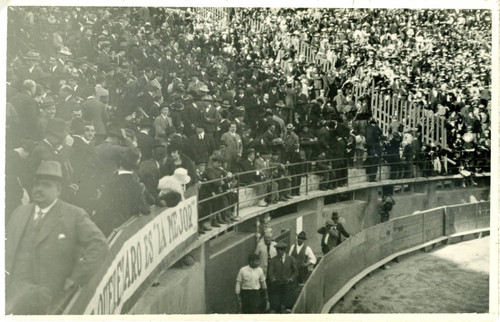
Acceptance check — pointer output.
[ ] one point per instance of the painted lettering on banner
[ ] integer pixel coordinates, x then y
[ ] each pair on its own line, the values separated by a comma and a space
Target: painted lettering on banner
141, 254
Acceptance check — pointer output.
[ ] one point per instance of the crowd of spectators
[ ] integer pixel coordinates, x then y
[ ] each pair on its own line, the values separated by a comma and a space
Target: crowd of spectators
140, 104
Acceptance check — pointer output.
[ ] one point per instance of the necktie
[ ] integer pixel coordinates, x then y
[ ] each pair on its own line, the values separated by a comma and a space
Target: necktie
38, 219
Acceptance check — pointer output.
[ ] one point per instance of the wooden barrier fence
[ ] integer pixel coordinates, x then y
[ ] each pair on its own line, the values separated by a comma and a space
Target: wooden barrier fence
346, 264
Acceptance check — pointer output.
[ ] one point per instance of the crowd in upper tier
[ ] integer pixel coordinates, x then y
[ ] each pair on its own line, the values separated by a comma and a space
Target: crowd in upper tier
137, 103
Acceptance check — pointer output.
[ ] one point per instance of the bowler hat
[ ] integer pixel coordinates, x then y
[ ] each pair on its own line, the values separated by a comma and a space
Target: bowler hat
49, 169
225, 104
218, 158
302, 235
57, 127
251, 150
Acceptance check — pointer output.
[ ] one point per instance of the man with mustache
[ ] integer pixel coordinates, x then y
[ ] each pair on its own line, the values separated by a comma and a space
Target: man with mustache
51, 247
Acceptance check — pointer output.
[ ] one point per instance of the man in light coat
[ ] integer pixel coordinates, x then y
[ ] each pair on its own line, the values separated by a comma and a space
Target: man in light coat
234, 147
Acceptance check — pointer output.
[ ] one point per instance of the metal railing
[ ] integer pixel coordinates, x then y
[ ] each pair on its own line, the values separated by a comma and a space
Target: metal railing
304, 178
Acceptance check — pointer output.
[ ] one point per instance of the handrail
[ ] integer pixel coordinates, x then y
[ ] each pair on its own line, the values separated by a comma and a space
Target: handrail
397, 170
386, 241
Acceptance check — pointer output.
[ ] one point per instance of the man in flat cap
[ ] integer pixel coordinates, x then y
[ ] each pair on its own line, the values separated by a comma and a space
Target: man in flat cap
51, 247
282, 274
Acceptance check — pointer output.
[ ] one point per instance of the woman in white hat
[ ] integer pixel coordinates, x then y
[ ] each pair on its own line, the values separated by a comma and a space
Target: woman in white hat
176, 182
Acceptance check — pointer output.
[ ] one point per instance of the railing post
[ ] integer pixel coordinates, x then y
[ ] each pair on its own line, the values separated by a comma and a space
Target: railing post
237, 194
307, 184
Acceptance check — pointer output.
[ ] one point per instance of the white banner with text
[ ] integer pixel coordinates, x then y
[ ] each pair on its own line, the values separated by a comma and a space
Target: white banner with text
141, 254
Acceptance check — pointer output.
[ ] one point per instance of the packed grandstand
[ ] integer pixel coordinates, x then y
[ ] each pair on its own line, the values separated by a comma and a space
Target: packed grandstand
145, 107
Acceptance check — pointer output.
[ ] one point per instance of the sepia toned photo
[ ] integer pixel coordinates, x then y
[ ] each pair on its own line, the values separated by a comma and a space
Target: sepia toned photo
249, 160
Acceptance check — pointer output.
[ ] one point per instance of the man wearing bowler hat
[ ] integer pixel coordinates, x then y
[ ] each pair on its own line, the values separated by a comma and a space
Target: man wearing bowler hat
304, 257
329, 237
51, 247
55, 146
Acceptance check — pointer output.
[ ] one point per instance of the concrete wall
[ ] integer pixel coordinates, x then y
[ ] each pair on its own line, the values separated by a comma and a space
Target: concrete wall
208, 287
223, 266
180, 290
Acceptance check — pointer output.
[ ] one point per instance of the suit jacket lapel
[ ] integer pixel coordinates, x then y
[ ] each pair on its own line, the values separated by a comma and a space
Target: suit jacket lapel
49, 222
15, 232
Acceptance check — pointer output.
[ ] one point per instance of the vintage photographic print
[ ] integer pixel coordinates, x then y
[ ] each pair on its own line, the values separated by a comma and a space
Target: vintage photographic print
164, 159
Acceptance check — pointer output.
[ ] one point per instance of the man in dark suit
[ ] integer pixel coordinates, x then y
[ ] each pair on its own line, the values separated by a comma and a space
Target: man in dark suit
373, 136
282, 274
55, 148
27, 109
123, 197
149, 172
202, 143
329, 237
85, 163
144, 139
94, 111
67, 104
51, 247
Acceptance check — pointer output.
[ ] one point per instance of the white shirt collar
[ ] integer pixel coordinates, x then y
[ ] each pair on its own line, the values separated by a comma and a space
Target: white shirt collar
44, 210
124, 172
83, 139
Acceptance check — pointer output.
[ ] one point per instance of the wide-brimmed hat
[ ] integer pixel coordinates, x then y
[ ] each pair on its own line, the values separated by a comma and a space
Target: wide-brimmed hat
33, 55
49, 170
225, 104
181, 175
290, 127
280, 104
65, 51
330, 222
58, 127
204, 88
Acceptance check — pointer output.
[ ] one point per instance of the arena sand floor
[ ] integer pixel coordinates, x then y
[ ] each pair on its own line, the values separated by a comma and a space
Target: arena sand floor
450, 279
